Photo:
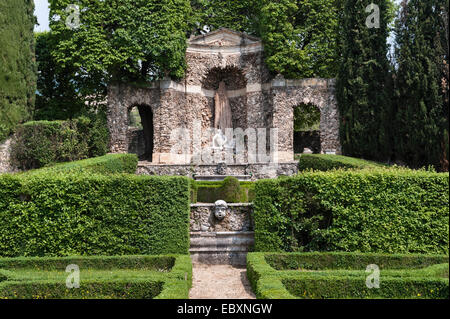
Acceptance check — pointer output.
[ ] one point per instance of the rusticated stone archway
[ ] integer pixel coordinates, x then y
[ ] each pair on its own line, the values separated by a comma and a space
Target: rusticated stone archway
257, 99
290, 93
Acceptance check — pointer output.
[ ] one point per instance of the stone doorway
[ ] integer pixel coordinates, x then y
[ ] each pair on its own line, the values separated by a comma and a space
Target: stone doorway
141, 132
307, 129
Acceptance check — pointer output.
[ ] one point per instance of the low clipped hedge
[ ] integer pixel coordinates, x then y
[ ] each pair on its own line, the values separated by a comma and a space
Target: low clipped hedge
210, 192
342, 260
342, 275
172, 279
41, 143
342, 287
387, 210
96, 289
107, 164
95, 262
325, 162
53, 214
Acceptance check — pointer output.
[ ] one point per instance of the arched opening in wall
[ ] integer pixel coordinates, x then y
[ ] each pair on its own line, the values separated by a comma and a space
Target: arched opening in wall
140, 132
307, 129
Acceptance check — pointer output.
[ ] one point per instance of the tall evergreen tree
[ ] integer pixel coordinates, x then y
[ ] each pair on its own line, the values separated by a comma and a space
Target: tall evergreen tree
17, 64
421, 115
363, 79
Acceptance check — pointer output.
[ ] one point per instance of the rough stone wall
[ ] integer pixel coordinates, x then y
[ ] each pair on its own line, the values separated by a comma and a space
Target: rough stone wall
5, 151
257, 171
238, 218
121, 98
257, 101
289, 94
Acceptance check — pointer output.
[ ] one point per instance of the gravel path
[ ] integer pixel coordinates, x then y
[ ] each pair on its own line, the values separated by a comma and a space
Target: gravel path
220, 282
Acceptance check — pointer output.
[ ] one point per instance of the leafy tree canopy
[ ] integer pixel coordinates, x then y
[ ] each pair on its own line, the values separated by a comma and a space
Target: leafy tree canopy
125, 39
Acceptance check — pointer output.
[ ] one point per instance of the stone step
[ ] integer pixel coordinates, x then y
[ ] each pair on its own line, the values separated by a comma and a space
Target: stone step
221, 248
219, 178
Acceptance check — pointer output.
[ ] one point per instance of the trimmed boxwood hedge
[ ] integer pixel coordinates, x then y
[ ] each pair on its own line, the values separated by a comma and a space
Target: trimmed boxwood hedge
325, 162
350, 287
164, 262
41, 143
209, 192
107, 164
305, 275
53, 214
172, 280
386, 210
95, 289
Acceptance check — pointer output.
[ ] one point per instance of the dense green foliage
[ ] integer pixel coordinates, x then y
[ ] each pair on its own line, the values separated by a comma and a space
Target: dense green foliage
51, 214
128, 277
343, 275
63, 93
108, 164
361, 89
422, 117
385, 210
301, 37
324, 162
306, 118
231, 190
238, 15
210, 192
128, 39
17, 64
145, 40
349, 261
42, 143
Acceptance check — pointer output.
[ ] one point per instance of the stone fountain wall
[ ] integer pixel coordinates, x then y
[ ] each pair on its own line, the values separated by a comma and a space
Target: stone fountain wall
221, 242
257, 99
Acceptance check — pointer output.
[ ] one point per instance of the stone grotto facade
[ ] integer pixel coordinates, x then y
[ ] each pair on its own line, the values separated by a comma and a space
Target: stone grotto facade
179, 117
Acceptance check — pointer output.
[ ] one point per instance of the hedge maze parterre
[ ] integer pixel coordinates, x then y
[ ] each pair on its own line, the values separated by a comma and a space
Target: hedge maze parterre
343, 275
127, 277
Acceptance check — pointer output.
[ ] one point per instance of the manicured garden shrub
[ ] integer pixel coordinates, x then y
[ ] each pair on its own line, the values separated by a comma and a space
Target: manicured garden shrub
386, 210
128, 277
92, 262
325, 162
108, 164
52, 214
351, 287
231, 190
42, 143
340, 260
228, 190
343, 275
99, 289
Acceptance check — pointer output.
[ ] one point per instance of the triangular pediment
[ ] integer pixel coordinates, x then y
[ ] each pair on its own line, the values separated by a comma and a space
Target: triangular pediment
224, 38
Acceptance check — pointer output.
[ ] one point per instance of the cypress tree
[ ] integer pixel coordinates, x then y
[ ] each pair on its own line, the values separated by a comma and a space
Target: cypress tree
17, 64
421, 115
362, 83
